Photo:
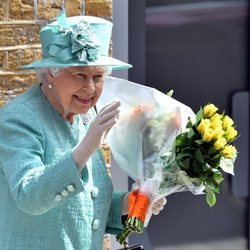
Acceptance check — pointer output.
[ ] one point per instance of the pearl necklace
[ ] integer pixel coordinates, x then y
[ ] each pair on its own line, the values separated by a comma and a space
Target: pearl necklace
54, 106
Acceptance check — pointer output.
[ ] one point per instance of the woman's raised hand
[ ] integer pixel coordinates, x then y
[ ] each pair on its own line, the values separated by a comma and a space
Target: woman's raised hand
98, 129
102, 123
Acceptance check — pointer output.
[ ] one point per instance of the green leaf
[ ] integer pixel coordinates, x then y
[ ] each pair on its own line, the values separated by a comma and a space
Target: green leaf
198, 156
196, 166
210, 183
190, 133
199, 115
170, 93
210, 197
217, 177
205, 167
180, 139
216, 190
199, 142
189, 123
186, 164
183, 155
183, 163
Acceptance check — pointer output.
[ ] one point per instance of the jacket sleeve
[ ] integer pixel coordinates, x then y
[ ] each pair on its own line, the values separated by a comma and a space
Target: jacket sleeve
33, 185
114, 225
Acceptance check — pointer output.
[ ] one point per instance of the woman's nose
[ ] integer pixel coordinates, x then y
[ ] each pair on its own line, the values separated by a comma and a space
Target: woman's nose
89, 82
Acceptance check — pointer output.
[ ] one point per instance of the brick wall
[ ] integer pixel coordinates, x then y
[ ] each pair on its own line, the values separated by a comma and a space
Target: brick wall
20, 22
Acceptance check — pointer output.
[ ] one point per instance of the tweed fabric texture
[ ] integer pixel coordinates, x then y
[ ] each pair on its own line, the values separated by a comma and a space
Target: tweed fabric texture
36, 164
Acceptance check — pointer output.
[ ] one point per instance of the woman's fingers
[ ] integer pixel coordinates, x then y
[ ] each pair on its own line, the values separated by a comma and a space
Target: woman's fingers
110, 106
105, 128
162, 201
109, 116
159, 205
155, 211
109, 112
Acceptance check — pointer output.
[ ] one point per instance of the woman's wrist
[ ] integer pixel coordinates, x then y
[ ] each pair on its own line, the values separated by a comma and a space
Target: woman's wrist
81, 155
125, 203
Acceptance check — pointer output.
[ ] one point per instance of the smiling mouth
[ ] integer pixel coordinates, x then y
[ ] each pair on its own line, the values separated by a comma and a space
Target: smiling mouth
84, 100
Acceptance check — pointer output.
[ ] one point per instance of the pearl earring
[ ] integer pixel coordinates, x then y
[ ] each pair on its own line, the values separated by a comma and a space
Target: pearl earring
50, 86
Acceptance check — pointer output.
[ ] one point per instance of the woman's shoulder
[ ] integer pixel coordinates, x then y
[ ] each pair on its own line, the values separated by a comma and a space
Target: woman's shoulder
25, 102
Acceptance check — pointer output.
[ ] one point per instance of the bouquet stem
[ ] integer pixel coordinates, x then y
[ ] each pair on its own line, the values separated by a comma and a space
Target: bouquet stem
121, 238
138, 205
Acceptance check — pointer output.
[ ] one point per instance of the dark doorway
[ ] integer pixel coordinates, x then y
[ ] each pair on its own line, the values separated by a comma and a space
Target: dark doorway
198, 49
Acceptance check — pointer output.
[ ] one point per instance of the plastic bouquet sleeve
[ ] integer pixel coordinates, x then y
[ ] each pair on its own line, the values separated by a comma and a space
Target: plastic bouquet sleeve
148, 125
166, 148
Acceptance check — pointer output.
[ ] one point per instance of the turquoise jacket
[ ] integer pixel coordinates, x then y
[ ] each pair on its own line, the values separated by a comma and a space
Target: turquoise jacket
45, 203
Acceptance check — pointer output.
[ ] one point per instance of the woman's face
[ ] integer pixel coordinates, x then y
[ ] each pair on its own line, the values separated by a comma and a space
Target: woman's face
77, 89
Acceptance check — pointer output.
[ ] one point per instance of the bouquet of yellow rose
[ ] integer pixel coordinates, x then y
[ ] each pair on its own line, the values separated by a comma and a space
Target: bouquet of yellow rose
206, 148
193, 162
166, 148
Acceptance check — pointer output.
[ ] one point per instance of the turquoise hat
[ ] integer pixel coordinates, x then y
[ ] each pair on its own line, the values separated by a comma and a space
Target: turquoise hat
76, 41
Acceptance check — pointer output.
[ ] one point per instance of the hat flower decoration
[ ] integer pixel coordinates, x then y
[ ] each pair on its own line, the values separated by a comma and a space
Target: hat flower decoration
84, 45
76, 41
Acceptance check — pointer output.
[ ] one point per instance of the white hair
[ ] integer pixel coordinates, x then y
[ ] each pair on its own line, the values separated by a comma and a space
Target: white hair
55, 71
43, 72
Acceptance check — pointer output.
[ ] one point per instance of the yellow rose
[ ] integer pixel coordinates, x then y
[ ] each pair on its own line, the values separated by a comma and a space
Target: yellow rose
209, 110
220, 143
231, 133
229, 151
218, 133
203, 126
208, 135
227, 122
216, 121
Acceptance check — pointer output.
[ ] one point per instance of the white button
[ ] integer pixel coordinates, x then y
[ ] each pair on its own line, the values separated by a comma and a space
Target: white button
58, 197
94, 192
70, 188
95, 224
64, 193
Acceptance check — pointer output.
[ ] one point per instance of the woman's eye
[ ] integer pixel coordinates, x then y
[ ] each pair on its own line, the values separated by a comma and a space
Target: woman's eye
80, 76
98, 77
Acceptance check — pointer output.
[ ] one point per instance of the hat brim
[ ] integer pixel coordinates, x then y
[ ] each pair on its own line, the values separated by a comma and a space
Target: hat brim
51, 62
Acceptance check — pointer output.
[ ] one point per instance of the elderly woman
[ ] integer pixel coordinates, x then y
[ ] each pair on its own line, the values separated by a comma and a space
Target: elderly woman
54, 188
